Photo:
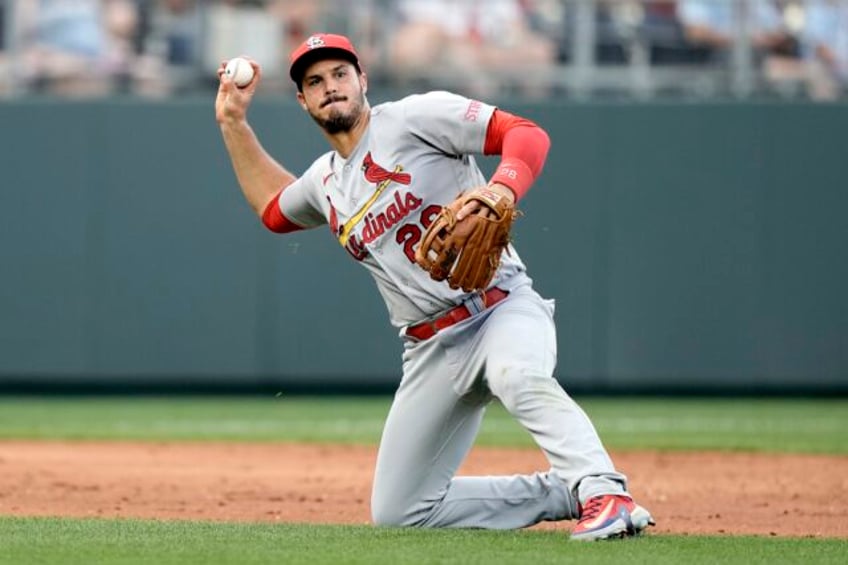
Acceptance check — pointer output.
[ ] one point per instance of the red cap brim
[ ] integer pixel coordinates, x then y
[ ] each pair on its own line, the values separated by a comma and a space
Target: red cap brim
320, 46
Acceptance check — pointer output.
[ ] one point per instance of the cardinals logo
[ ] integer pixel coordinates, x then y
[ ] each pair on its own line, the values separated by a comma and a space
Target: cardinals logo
315, 41
378, 175
377, 222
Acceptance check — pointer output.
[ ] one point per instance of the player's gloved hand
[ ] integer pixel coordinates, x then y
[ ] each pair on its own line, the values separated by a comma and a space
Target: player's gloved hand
464, 243
232, 102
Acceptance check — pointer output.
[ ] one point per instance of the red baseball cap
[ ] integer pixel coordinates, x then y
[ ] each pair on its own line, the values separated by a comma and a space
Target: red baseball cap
320, 46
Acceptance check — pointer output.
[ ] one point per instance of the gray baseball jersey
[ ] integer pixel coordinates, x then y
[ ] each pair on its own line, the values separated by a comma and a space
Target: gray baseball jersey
416, 156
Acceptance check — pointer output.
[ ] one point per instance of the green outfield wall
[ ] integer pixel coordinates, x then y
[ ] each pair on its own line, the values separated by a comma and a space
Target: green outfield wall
688, 246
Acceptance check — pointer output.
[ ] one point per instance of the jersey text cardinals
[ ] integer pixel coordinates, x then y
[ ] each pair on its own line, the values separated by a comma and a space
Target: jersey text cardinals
378, 207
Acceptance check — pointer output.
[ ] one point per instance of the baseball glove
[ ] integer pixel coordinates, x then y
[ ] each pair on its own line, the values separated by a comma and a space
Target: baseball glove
467, 253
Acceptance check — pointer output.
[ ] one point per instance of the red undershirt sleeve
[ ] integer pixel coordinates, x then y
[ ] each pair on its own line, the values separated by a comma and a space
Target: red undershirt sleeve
274, 219
523, 147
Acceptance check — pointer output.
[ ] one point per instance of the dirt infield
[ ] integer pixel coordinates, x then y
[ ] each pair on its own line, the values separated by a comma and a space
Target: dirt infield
695, 493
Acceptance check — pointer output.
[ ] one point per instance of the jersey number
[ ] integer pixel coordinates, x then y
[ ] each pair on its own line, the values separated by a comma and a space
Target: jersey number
409, 235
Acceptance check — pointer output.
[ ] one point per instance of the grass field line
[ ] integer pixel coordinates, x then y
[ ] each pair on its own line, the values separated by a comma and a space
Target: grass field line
719, 423
127, 542
783, 424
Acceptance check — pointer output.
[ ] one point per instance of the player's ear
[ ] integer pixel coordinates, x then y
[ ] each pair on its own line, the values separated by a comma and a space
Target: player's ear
301, 100
363, 82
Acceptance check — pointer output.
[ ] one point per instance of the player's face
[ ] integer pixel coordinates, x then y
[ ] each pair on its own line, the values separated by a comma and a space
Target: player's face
333, 94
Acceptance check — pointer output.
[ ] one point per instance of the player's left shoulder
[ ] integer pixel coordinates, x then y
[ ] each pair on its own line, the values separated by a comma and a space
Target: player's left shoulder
412, 105
433, 97
443, 104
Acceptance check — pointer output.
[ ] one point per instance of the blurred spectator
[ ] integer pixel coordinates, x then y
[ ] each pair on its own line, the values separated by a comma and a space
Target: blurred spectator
122, 21
475, 40
620, 26
74, 47
244, 27
617, 25
611, 37
826, 45
480, 47
712, 24
665, 36
301, 19
171, 48
774, 56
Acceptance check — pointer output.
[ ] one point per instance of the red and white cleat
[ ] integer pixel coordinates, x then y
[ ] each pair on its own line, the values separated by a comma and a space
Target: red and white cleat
610, 516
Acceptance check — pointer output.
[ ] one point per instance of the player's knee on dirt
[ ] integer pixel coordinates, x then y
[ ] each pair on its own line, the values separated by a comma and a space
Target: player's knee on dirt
385, 512
403, 508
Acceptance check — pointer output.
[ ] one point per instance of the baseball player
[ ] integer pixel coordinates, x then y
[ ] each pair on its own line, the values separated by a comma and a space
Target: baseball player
390, 172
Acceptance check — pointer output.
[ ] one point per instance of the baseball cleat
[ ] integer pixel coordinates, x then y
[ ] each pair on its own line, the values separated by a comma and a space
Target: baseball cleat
610, 516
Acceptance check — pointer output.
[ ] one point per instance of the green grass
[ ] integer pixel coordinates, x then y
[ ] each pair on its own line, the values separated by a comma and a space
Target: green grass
777, 425
69, 542
745, 424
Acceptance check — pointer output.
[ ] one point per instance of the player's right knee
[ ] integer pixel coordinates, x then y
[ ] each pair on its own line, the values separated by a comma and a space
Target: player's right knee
390, 515
390, 511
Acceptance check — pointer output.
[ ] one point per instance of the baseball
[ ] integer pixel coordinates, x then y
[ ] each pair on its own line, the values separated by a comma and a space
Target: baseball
240, 71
